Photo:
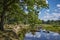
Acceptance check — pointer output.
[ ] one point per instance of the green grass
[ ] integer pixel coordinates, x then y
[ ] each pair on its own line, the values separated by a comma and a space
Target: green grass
51, 27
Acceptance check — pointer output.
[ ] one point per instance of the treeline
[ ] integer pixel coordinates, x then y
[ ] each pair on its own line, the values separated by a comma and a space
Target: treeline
55, 23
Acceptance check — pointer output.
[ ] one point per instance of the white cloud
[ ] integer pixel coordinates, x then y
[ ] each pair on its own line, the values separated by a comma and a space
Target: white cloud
56, 14
55, 34
48, 10
53, 16
37, 35
46, 1
29, 35
58, 5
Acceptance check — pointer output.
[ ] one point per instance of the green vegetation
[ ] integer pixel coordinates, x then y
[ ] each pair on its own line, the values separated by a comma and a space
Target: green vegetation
51, 28
13, 13
51, 25
14, 10
17, 17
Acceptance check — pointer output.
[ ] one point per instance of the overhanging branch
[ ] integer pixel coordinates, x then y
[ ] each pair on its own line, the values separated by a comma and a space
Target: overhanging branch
10, 2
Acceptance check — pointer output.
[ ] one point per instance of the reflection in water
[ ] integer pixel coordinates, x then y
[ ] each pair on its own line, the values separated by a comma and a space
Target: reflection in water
42, 35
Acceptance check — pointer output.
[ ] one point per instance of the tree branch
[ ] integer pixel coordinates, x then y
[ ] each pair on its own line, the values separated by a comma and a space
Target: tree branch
10, 2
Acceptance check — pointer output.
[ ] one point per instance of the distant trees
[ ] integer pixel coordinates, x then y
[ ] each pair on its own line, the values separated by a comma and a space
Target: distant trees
55, 23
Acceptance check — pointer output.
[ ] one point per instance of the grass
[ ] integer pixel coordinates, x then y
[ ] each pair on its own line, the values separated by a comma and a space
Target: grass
51, 27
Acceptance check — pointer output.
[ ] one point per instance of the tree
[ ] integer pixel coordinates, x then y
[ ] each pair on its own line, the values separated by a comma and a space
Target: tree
8, 7
32, 19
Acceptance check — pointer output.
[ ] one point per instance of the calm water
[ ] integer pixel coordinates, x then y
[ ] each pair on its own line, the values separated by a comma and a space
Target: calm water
42, 35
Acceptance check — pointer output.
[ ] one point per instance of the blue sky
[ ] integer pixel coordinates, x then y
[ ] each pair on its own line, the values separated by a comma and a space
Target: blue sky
53, 13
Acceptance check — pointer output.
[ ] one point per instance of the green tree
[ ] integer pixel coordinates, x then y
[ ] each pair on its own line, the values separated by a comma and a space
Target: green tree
8, 7
32, 19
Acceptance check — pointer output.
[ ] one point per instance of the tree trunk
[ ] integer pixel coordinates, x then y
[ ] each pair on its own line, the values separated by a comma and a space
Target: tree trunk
2, 20
3, 15
5, 7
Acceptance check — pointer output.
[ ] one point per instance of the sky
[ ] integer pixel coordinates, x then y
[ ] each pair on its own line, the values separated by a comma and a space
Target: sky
53, 13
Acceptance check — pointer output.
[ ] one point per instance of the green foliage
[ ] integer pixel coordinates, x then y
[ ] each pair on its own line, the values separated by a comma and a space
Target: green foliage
22, 33
13, 11
32, 18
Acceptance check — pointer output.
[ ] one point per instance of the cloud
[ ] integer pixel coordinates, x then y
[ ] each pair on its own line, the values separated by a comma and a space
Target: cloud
58, 5
37, 35
56, 14
50, 16
55, 34
56, 10
46, 1
29, 35
48, 10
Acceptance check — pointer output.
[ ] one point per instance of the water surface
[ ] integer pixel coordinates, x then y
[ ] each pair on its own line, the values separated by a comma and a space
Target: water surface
42, 35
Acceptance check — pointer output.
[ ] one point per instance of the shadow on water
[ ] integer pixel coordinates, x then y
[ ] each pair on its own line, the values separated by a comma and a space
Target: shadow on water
42, 35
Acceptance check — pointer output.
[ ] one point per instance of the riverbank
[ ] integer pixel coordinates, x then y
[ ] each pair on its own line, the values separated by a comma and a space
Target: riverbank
51, 28
48, 27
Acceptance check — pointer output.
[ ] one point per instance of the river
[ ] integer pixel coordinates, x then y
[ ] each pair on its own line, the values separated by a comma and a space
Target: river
42, 35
